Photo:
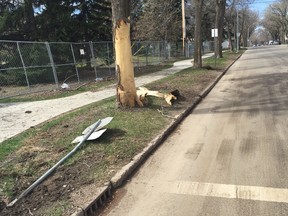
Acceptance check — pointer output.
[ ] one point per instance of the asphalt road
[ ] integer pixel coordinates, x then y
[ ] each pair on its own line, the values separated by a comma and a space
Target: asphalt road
228, 157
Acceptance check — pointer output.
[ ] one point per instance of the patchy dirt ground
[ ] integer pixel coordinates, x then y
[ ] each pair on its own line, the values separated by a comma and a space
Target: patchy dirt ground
56, 195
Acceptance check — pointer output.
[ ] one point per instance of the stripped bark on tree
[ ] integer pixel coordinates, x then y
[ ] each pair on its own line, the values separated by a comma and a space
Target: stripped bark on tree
126, 89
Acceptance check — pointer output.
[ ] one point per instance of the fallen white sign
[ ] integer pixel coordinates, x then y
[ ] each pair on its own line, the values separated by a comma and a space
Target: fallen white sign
93, 136
97, 132
103, 123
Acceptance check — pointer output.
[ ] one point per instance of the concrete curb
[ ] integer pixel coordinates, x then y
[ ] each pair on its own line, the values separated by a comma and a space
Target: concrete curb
118, 179
91, 207
206, 91
128, 169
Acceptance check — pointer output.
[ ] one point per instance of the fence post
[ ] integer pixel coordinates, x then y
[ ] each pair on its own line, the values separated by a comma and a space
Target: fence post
169, 50
24, 67
108, 53
52, 64
93, 58
164, 52
159, 54
154, 53
147, 51
138, 60
75, 62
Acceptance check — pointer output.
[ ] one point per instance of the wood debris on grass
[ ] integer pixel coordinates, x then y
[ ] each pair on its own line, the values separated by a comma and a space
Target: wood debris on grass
142, 92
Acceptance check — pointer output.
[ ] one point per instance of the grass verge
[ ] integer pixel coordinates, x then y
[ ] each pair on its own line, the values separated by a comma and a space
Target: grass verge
27, 156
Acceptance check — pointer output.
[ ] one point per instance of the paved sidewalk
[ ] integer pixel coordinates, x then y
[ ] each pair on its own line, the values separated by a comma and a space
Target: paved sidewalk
18, 117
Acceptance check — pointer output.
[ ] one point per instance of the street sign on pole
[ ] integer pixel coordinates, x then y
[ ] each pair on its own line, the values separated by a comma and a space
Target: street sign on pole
214, 32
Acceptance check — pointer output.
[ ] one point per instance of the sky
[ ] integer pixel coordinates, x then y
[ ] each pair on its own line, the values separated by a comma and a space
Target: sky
261, 5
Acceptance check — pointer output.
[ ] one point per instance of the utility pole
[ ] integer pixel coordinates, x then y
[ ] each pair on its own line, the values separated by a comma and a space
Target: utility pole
237, 34
183, 27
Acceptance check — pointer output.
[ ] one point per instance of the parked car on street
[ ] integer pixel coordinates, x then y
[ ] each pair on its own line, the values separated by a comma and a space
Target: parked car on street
275, 42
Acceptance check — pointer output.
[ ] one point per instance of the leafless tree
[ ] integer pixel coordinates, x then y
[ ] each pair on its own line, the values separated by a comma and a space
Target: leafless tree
197, 34
276, 20
126, 90
247, 21
250, 22
160, 20
219, 23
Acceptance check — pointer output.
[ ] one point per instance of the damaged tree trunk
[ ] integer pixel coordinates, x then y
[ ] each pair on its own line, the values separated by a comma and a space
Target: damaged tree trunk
126, 89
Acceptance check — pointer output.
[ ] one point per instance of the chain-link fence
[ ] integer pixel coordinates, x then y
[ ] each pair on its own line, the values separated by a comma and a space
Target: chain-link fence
27, 67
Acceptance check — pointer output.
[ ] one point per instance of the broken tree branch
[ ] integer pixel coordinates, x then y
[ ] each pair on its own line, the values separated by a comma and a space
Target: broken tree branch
143, 92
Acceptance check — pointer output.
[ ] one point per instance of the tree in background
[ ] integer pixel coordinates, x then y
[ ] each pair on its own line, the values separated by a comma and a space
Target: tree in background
276, 20
46, 20
208, 19
230, 17
17, 20
260, 36
77, 20
30, 22
197, 34
160, 20
250, 22
54, 21
272, 24
126, 89
137, 10
246, 18
94, 19
247, 21
86, 20
219, 24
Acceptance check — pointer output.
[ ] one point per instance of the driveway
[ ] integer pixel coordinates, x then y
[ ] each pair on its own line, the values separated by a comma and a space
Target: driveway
228, 157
